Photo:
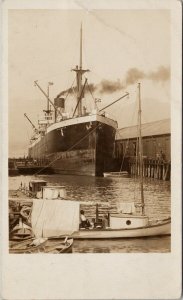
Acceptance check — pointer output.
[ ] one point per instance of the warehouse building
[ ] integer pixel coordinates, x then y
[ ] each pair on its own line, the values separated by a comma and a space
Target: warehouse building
156, 141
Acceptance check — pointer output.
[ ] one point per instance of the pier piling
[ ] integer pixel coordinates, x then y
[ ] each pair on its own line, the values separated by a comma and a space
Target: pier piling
157, 169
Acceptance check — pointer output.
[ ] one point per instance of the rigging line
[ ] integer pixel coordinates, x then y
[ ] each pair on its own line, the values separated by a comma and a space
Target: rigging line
133, 115
126, 147
136, 166
127, 94
47, 97
128, 138
138, 154
74, 91
70, 88
90, 91
157, 148
151, 136
80, 97
69, 149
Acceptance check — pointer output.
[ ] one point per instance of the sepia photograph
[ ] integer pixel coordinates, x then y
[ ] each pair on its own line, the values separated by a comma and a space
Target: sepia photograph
89, 129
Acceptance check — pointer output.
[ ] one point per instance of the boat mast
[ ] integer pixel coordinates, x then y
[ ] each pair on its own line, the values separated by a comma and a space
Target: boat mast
80, 76
140, 151
79, 73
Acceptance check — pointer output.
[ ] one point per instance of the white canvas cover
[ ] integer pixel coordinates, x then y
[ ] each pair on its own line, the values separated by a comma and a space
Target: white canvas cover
54, 218
50, 193
126, 208
53, 192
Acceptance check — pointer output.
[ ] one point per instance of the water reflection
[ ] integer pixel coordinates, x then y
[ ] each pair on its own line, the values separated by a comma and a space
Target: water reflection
107, 192
144, 245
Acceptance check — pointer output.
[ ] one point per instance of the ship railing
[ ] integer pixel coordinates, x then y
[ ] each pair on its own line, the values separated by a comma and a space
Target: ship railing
107, 115
45, 121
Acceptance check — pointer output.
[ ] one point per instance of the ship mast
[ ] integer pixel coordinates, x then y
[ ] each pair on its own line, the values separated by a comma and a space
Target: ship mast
48, 94
48, 98
79, 73
81, 45
140, 151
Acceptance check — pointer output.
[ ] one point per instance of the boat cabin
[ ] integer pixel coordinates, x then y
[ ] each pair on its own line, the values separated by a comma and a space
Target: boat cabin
35, 186
40, 189
125, 221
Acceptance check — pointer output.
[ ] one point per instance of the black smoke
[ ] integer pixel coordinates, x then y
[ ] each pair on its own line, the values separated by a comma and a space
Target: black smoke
133, 75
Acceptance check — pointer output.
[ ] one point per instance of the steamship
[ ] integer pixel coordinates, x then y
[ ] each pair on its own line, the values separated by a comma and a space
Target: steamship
78, 144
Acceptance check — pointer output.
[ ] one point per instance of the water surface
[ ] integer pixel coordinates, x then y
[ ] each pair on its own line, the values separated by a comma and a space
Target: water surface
108, 192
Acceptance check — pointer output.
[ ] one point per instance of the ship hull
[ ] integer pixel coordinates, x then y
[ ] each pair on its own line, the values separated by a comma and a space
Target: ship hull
80, 146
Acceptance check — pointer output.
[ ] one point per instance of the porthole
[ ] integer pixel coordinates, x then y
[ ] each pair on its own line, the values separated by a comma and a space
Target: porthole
128, 222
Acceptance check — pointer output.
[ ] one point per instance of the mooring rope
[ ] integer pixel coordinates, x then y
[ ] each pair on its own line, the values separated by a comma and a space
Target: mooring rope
67, 150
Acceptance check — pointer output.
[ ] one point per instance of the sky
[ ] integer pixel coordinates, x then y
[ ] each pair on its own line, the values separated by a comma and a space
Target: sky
120, 48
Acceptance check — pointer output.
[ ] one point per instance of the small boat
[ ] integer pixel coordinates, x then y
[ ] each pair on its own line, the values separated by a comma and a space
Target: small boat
38, 189
161, 229
123, 174
60, 247
28, 246
42, 245
21, 232
119, 225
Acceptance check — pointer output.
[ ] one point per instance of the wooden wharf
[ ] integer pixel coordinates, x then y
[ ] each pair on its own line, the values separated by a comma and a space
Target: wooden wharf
152, 168
33, 169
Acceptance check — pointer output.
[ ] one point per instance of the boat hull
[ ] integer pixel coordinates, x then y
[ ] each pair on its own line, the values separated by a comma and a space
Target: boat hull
62, 247
83, 146
25, 247
149, 231
58, 247
67, 248
116, 174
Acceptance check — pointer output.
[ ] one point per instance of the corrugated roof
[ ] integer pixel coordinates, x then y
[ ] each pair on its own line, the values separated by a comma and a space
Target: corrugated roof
148, 129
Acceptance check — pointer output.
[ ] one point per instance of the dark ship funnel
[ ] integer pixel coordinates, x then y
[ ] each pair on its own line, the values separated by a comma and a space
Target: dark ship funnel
59, 102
